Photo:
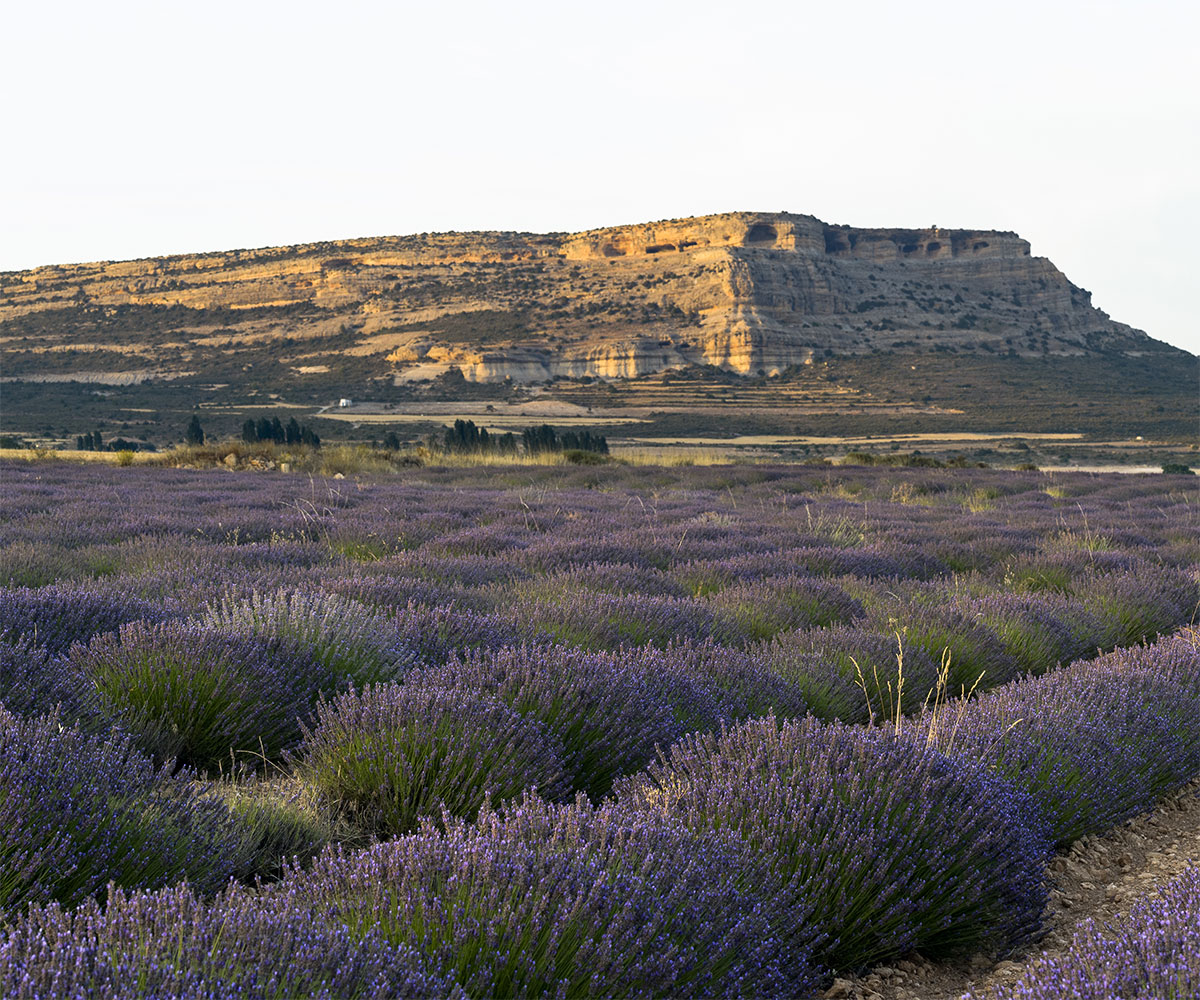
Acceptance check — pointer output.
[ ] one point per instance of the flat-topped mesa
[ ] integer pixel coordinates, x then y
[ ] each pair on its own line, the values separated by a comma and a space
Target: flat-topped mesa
744, 291
784, 231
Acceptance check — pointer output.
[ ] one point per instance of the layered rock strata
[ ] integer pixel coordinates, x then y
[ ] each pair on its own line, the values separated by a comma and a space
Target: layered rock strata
747, 292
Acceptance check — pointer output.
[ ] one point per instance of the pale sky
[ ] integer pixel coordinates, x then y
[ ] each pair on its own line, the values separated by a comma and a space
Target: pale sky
138, 129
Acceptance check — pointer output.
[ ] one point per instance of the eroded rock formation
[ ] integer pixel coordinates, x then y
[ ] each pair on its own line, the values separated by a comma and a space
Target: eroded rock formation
744, 291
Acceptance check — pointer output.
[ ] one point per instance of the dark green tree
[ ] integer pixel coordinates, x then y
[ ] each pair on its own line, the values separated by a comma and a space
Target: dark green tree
539, 439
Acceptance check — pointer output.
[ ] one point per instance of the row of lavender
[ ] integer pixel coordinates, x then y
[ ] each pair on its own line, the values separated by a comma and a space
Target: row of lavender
520, 672
753, 861
1152, 951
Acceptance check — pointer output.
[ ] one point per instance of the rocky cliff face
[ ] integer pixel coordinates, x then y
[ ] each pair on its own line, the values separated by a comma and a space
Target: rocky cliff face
747, 292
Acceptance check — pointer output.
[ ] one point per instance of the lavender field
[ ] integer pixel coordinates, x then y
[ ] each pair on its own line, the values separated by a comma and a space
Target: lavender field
575, 731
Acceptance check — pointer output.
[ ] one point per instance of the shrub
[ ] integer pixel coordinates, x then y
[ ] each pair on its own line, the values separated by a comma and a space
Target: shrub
58, 616
753, 611
1039, 633
607, 621
171, 943
1139, 605
603, 710
199, 694
32, 682
393, 754
81, 811
353, 643
508, 917
1135, 738
720, 896
705, 684
433, 634
885, 845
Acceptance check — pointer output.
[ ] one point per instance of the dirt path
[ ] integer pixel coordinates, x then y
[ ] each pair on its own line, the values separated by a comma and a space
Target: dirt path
1099, 877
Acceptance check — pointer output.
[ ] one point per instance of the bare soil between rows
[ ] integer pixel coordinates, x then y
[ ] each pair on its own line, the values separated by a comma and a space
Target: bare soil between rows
1099, 877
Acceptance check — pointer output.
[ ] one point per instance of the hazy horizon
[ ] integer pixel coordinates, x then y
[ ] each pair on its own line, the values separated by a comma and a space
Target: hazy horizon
150, 131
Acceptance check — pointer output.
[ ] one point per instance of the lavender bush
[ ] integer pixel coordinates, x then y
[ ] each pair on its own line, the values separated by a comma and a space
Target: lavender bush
852, 673
885, 845
58, 616
749, 612
513, 917
198, 694
1152, 951
352, 643
33, 682
80, 811
729, 927
172, 943
600, 708
387, 756
1093, 744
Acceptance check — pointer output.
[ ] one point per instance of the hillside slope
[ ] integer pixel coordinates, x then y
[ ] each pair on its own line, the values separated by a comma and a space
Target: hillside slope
745, 323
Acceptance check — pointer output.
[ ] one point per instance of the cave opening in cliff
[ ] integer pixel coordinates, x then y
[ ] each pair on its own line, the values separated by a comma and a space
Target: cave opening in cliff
761, 232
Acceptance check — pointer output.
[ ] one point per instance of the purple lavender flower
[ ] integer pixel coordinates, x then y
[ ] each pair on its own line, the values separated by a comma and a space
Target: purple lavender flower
200, 694
601, 709
510, 916
351, 642
56, 617
1093, 743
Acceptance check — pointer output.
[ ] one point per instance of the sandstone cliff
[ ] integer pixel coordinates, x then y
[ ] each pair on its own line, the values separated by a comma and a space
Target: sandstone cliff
747, 292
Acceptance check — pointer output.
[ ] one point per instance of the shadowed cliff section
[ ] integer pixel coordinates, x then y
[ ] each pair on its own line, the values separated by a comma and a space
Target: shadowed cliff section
747, 292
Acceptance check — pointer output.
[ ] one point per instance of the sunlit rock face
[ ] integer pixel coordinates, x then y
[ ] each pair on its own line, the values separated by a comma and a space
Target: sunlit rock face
744, 291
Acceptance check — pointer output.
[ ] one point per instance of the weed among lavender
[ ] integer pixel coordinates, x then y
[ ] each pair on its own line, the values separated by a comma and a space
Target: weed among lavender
275, 822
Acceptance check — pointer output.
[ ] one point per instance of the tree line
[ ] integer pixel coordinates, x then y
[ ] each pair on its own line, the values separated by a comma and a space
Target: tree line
464, 436
93, 441
292, 432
